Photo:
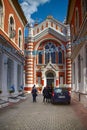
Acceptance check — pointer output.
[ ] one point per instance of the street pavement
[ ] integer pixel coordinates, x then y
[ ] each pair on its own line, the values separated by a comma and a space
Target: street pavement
27, 115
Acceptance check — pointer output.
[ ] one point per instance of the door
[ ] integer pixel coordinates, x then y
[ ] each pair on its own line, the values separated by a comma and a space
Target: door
50, 82
50, 79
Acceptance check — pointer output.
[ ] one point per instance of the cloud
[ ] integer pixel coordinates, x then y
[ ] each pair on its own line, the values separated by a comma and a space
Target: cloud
31, 6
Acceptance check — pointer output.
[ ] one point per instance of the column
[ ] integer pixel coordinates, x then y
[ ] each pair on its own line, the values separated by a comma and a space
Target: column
22, 75
15, 76
68, 67
68, 59
29, 70
1, 71
4, 77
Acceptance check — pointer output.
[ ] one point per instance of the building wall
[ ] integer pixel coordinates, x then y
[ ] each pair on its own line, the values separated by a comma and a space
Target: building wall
11, 54
9, 11
49, 31
79, 41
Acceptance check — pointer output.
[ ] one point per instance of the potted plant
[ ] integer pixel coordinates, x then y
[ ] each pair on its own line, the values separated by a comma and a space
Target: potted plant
11, 91
21, 88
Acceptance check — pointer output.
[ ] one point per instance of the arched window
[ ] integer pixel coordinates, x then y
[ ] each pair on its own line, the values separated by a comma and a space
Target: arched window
50, 53
77, 19
1, 14
46, 54
40, 58
20, 38
59, 57
53, 56
11, 27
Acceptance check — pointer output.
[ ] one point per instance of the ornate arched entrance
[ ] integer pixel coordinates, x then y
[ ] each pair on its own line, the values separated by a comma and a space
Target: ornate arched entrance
50, 79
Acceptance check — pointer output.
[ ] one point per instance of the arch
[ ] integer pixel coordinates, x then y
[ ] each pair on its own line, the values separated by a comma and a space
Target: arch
47, 39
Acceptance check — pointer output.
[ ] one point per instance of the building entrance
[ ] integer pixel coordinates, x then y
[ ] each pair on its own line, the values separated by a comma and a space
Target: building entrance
50, 79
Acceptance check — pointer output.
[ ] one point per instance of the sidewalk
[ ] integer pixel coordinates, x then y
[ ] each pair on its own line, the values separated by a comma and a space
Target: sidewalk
80, 111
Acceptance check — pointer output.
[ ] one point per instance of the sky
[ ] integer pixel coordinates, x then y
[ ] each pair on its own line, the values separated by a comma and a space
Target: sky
38, 10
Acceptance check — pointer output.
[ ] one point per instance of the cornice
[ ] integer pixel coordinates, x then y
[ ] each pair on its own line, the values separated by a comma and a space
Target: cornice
50, 31
71, 6
50, 20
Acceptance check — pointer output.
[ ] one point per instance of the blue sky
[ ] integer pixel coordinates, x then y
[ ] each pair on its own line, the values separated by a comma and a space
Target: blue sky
40, 9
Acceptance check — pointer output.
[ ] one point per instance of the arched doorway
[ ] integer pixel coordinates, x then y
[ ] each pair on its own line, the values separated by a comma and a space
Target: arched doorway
50, 79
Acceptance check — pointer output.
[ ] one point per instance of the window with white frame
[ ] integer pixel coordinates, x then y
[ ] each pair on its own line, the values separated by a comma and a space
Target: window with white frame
50, 53
20, 38
1, 14
11, 26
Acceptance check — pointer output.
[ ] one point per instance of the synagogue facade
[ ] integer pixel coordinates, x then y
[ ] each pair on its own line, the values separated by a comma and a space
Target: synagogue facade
47, 55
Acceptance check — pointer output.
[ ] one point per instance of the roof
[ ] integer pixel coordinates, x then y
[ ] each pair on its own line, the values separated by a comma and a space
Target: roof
19, 11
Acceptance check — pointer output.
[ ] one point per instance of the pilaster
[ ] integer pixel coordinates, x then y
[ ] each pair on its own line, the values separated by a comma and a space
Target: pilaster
15, 76
4, 77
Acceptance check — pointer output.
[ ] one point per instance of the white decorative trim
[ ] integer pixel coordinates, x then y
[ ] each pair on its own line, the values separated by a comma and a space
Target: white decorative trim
16, 12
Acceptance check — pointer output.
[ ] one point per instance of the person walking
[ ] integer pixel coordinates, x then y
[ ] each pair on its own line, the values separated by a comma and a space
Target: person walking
44, 94
34, 93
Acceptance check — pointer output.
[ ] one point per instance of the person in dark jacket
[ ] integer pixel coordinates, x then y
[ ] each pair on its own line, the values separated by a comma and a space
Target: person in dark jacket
44, 94
34, 93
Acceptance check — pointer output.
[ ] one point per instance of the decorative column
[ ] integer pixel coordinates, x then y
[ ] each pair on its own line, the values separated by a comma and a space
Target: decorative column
68, 59
29, 70
22, 75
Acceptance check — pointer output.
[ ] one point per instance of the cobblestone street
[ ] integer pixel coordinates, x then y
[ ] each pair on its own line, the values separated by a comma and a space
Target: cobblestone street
27, 115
